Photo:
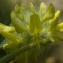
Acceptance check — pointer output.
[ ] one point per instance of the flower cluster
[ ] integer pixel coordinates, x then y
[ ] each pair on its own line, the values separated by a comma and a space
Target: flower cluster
31, 26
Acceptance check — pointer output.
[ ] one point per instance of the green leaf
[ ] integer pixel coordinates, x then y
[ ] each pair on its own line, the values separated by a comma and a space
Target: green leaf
31, 7
18, 12
42, 9
19, 26
49, 13
35, 24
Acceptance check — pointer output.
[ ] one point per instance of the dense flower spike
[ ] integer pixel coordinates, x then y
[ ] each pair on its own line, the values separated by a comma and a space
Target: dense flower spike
28, 27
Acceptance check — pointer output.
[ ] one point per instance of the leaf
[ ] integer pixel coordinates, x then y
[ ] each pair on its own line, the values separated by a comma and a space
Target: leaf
31, 7
42, 9
18, 25
49, 13
35, 24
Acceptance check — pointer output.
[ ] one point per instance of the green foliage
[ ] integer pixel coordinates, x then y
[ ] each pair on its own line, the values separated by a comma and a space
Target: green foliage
28, 31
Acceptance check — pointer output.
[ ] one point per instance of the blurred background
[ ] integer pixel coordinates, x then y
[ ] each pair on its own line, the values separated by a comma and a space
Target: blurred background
6, 6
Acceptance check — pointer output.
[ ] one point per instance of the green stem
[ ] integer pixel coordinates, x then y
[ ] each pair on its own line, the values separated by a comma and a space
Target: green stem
12, 55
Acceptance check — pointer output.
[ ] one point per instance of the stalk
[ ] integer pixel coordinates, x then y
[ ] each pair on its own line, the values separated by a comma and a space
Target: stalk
12, 55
